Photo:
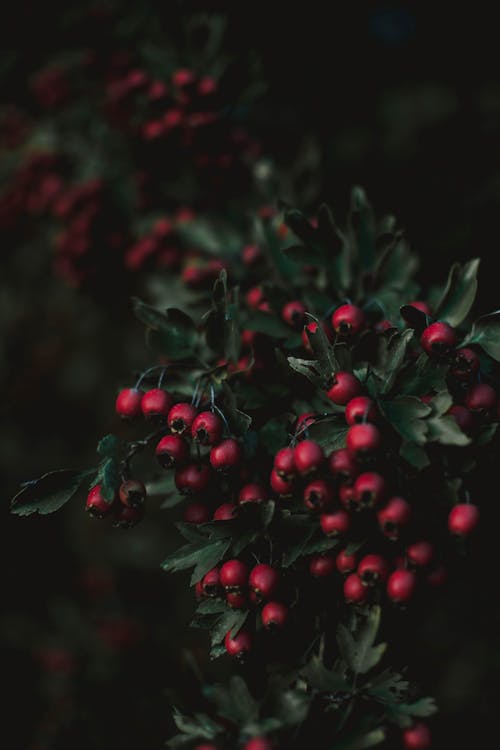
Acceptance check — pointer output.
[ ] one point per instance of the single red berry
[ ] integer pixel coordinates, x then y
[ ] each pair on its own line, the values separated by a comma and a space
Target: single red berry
345, 562
466, 364
347, 497
318, 495
342, 465
369, 489
420, 554
401, 586
274, 615
254, 297
284, 463
463, 417
132, 493
156, 403
226, 455
393, 517
96, 505
180, 417
280, 486
304, 421
259, 743
196, 513
236, 600
251, 254
263, 580
226, 512
417, 737
239, 645
321, 566
125, 516
192, 478
354, 590
233, 575
336, 523
363, 439
372, 569
207, 428
345, 387
308, 456
438, 339
360, 409
171, 451
210, 582
422, 306
481, 398
183, 77
252, 493
437, 577
128, 403
347, 320
463, 519
293, 313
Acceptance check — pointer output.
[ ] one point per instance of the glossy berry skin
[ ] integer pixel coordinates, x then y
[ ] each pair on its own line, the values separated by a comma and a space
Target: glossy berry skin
369, 489
233, 575
463, 519
226, 455
348, 320
236, 600
263, 580
345, 387
191, 479
346, 563
238, 646
274, 615
354, 590
481, 398
280, 486
132, 493
466, 364
225, 512
252, 493
422, 306
308, 457
360, 409
259, 743
172, 450
336, 523
394, 517
322, 566
343, 466
96, 505
128, 403
372, 569
318, 495
196, 513
417, 737
401, 586
180, 418
284, 463
207, 428
210, 583
362, 440
156, 403
293, 313
463, 417
125, 517
438, 339
420, 554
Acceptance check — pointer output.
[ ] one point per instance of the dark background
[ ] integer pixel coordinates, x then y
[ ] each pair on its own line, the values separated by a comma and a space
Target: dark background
406, 102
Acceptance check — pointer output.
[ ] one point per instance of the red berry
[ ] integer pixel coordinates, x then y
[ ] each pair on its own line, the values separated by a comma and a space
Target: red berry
180, 417
318, 495
259, 743
372, 569
254, 297
417, 737
274, 615
96, 505
347, 497
252, 493
333, 524
354, 590
438, 339
251, 254
183, 77
225, 455
207, 428
233, 575
463, 519
308, 456
347, 320
128, 403
226, 512
369, 489
342, 465
360, 409
171, 450
345, 387
304, 421
481, 398
420, 554
280, 486
383, 325
263, 580
125, 516
293, 314
196, 513
321, 566
466, 364
236, 600
422, 306
363, 439
394, 516
156, 403
132, 493
284, 463
192, 478
401, 585
239, 645
463, 417
198, 591
210, 582
346, 563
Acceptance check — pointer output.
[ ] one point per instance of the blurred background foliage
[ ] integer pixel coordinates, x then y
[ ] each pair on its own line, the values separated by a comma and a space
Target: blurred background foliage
298, 103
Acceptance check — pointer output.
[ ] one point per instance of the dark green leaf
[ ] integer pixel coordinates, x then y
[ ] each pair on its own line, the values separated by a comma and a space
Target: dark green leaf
323, 679
360, 739
459, 294
308, 367
48, 493
405, 713
329, 433
414, 317
269, 324
363, 228
357, 649
108, 446
303, 256
407, 415
415, 455
323, 350
208, 558
486, 332
239, 422
231, 620
274, 434
391, 356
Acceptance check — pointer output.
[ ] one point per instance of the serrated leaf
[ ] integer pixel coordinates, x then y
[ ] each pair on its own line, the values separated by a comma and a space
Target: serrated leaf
423, 376
308, 367
405, 713
486, 333
388, 687
415, 455
445, 430
407, 415
391, 357
199, 726
323, 679
459, 294
204, 557
230, 621
357, 649
323, 350
48, 493
208, 558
